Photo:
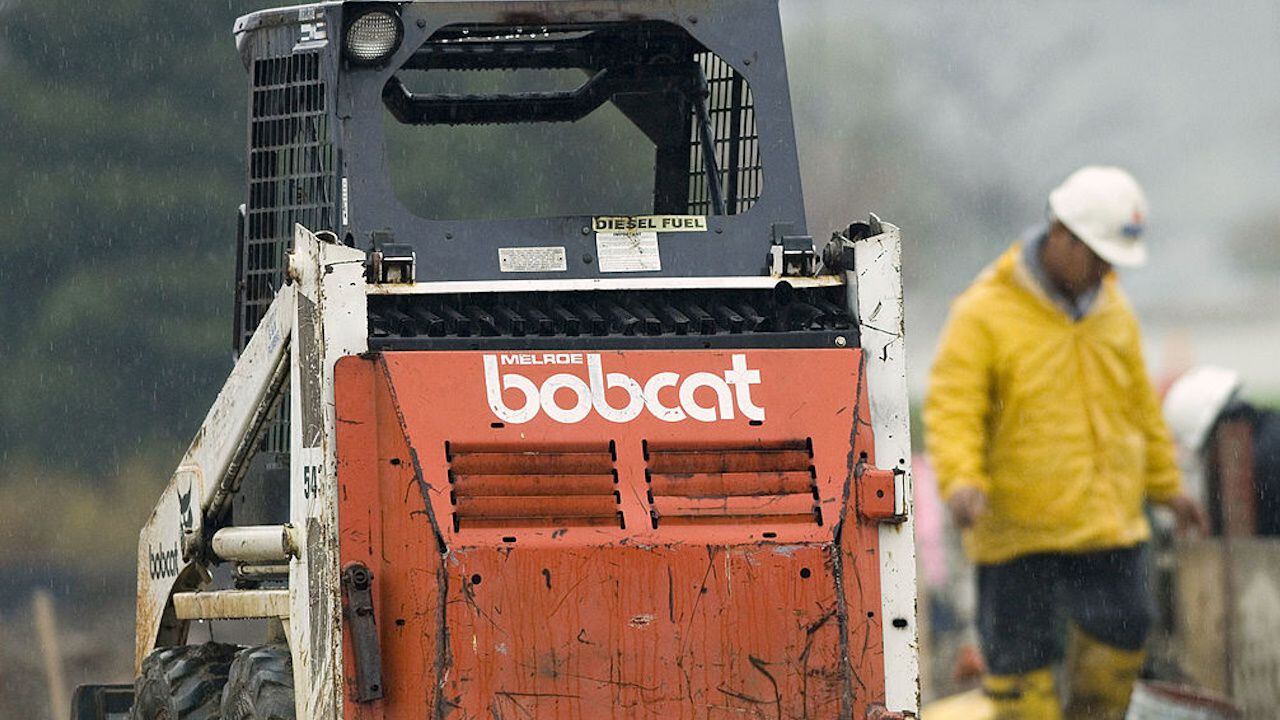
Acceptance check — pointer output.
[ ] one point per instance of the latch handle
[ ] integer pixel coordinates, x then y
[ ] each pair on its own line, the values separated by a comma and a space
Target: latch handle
357, 608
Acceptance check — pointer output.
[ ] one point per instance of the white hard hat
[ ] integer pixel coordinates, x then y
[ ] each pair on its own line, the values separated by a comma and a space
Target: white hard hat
1106, 208
1195, 400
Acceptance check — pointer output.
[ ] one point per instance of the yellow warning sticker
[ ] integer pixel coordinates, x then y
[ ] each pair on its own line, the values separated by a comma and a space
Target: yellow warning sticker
649, 223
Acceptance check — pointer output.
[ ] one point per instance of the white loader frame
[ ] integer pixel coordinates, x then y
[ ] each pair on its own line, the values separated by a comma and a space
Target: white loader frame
317, 318
877, 277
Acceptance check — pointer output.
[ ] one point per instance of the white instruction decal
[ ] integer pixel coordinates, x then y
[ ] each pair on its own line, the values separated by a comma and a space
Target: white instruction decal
346, 198
628, 252
532, 259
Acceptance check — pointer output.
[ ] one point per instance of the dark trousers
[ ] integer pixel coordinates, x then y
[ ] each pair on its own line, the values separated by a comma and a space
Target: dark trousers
1024, 605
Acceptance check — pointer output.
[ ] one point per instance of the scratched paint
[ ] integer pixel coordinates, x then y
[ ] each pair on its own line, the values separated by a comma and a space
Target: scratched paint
745, 608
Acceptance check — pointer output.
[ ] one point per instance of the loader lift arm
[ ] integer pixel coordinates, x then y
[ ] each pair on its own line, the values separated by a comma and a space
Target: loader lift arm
173, 547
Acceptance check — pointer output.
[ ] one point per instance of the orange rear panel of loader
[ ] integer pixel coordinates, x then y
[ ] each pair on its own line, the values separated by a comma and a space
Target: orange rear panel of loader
623, 534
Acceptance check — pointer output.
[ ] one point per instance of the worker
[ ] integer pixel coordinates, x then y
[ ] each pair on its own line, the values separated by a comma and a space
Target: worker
1047, 437
1196, 402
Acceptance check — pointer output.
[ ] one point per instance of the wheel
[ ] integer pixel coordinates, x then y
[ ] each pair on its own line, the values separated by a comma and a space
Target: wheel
260, 686
183, 682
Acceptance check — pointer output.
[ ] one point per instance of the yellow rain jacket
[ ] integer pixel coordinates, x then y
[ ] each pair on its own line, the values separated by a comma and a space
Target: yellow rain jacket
1054, 418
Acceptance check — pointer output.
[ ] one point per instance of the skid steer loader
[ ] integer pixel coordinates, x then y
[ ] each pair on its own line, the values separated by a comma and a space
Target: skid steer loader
637, 449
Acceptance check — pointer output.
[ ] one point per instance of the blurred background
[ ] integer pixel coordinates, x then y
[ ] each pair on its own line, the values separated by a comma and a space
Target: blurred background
121, 169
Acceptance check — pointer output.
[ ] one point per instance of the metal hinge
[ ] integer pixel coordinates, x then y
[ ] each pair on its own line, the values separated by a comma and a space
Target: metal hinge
390, 261
790, 255
878, 492
837, 255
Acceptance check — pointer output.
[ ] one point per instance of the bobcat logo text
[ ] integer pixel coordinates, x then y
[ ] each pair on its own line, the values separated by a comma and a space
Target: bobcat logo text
569, 398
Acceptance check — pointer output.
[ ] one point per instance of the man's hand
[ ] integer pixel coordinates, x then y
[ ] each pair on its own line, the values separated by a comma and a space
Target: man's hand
967, 505
1188, 513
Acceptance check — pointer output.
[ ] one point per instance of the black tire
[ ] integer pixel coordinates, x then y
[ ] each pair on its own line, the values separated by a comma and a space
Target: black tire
183, 682
260, 686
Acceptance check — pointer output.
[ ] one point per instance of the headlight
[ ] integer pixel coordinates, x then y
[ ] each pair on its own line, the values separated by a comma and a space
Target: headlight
372, 36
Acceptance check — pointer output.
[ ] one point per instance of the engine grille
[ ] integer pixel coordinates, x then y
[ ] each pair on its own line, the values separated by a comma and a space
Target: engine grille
290, 180
290, 175
606, 319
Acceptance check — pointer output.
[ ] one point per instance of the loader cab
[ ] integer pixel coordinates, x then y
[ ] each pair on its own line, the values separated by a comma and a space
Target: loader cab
492, 141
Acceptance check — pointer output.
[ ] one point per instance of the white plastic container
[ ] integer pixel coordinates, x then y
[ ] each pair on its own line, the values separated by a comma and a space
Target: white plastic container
1166, 701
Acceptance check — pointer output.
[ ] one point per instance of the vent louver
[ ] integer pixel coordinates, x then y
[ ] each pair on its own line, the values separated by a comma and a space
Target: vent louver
766, 483
509, 486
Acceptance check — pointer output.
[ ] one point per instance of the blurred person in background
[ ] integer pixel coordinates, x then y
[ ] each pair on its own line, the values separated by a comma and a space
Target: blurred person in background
1196, 404
1047, 439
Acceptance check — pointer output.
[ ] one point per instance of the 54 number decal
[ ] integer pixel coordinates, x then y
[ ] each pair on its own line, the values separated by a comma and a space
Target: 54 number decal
310, 481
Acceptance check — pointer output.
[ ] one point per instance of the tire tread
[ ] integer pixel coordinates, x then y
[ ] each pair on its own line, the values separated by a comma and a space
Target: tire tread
183, 682
260, 685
